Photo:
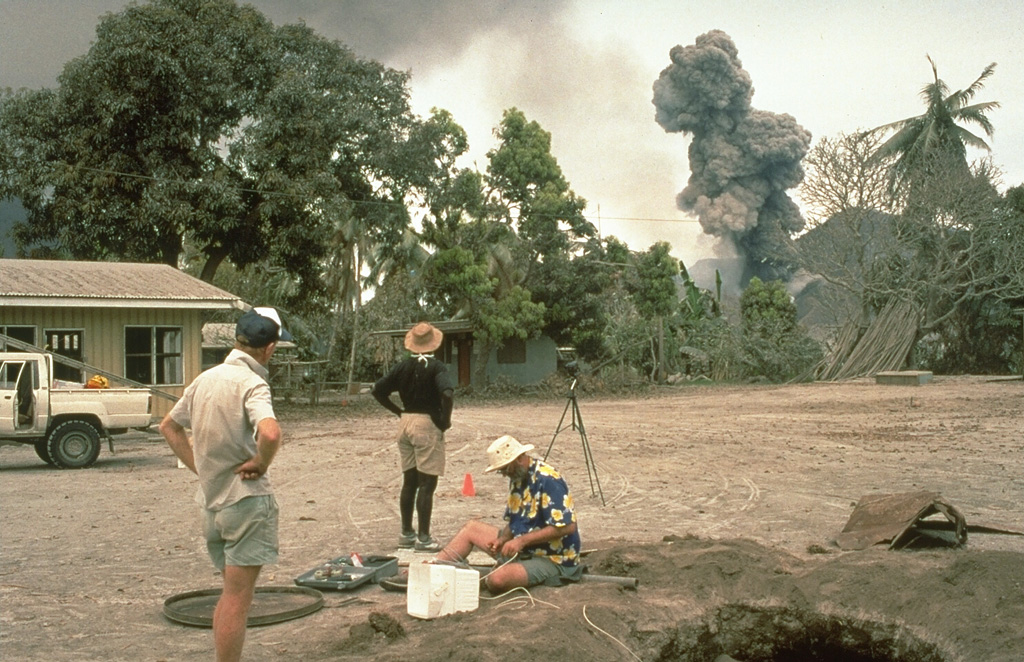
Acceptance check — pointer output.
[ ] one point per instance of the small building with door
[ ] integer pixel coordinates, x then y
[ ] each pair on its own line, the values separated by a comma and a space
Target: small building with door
521, 361
139, 321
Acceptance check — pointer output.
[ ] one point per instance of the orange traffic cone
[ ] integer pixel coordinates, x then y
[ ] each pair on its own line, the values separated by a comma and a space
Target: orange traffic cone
467, 486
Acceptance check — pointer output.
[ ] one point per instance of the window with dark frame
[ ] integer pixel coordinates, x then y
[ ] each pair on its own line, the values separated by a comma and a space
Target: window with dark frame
22, 333
153, 354
512, 351
65, 342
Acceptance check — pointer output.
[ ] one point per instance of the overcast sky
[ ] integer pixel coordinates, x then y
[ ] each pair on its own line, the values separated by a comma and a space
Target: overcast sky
584, 70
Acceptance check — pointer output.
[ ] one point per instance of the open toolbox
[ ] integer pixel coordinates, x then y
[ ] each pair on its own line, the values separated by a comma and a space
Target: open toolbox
343, 573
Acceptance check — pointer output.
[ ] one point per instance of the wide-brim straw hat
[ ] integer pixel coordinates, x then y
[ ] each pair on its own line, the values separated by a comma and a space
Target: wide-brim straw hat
504, 450
423, 338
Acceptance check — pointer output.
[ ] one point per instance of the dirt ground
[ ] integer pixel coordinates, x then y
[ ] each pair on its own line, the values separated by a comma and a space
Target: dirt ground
723, 501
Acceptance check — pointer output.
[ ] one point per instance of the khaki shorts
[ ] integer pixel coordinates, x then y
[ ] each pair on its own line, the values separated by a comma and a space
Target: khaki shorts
244, 533
421, 445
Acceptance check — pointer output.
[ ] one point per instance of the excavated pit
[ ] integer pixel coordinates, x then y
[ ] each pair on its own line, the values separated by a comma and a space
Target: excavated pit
783, 634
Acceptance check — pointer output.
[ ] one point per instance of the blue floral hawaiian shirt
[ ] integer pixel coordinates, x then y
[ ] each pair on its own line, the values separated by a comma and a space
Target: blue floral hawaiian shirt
540, 500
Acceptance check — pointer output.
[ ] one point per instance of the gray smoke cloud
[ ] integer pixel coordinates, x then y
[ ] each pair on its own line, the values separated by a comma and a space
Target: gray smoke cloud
742, 160
414, 33
404, 34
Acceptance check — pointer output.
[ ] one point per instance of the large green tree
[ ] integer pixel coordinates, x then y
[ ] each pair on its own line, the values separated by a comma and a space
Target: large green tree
571, 287
198, 121
555, 248
127, 151
654, 292
527, 190
502, 240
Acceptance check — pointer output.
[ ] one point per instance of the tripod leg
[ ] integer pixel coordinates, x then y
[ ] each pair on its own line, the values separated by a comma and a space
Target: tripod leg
577, 424
588, 457
558, 428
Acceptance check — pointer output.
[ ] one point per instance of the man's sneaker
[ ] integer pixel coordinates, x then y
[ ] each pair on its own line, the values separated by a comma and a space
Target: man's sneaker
406, 541
428, 545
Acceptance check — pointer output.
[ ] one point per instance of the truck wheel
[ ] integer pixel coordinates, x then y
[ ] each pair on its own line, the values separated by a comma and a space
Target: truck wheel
42, 452
73, 445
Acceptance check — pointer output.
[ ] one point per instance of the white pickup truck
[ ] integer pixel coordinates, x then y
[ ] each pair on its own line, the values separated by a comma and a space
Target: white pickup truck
64, 422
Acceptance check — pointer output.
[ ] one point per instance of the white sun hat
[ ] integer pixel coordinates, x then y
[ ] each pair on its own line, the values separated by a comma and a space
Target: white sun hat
504, 450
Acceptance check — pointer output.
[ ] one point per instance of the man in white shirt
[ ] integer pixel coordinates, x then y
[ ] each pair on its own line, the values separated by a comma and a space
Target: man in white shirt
235, 437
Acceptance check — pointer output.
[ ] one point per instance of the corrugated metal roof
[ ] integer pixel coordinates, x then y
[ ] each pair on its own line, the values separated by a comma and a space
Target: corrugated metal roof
218, 335
105, 284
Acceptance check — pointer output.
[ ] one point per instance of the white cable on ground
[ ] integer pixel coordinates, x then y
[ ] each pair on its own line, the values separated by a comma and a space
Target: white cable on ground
608, 635
522, 602
529, 596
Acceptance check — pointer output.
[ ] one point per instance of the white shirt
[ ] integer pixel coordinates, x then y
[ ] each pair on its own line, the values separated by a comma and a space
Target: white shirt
223, 407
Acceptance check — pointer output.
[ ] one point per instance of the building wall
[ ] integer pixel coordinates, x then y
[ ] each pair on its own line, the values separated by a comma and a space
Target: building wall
541, 360
103, 336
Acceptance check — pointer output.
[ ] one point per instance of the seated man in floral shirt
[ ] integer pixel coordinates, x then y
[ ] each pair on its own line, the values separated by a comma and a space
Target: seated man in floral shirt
540, 543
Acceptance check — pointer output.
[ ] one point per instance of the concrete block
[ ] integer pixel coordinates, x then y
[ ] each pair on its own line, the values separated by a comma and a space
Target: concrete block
904, 377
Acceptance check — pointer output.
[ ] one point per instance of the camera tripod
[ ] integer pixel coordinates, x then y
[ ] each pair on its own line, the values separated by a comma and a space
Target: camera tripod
577, 424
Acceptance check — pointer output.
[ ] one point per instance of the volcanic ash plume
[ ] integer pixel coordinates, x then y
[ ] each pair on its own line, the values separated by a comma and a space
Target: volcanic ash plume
742, 160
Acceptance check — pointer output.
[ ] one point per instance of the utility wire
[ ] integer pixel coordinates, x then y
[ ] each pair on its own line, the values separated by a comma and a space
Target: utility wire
243, 189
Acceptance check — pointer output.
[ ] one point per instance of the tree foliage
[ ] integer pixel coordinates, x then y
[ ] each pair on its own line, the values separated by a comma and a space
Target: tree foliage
572, 288
767, 309
510, 244
199, 121
774, 346
654, 288
526, 189
935, 139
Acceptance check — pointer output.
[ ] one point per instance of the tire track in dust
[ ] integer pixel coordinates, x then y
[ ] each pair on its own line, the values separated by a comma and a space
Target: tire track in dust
720, 497
623, 490
726, 519
713, 500
360, 531
755, 494
599, 471
641, 500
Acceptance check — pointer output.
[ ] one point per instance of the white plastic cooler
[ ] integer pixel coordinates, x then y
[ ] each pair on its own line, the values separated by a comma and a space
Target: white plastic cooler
437, 590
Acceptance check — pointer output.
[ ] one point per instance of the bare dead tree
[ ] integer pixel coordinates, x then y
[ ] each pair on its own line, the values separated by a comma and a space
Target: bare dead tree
849, 205
950, 243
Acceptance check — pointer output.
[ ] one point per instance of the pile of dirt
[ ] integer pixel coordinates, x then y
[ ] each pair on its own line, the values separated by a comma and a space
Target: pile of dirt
700, 599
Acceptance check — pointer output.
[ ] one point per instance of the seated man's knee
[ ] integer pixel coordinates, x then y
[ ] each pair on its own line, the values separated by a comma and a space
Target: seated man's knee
506, 578
473, 527
495, 585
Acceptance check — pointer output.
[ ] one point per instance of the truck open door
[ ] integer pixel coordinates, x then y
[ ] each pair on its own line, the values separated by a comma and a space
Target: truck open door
10, 371
22, 397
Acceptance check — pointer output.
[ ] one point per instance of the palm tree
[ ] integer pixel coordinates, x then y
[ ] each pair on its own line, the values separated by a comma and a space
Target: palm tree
935, 137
